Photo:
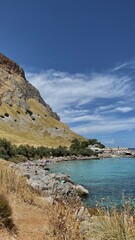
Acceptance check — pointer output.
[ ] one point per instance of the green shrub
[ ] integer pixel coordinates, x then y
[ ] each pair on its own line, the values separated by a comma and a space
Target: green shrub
27, 151
24, 152
29, 112
75, 145
6, 114
6, 149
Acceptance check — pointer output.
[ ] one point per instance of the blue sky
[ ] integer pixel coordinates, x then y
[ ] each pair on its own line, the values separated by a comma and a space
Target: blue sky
81, 56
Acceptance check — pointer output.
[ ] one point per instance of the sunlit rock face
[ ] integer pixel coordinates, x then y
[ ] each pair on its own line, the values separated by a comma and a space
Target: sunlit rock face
15, 89
24, 115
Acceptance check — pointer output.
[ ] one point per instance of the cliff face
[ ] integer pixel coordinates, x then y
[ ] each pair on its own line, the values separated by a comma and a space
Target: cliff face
15, 89
10, 66
24, 116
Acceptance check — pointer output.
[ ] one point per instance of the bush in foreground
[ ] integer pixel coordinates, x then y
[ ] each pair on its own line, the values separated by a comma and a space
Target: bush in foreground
5, 213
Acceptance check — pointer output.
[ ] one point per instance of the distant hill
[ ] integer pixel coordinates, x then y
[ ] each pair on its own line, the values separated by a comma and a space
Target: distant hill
25, 118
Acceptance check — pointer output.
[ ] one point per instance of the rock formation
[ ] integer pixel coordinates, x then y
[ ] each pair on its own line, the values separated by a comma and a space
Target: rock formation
18, 90
24, 116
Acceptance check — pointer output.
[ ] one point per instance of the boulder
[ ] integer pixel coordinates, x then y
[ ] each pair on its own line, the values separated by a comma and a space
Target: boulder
82, 191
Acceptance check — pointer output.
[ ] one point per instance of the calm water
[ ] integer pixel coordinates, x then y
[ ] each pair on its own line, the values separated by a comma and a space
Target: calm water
105, 179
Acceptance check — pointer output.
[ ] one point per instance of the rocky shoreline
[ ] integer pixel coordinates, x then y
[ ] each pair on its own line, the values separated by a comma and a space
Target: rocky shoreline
54, 186
71, 158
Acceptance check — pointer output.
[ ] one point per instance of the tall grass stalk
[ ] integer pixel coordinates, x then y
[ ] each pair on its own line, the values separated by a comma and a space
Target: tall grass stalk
114, 224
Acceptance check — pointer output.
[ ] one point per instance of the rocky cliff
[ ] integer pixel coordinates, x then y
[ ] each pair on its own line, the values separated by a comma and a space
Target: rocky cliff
15, 89
24, 116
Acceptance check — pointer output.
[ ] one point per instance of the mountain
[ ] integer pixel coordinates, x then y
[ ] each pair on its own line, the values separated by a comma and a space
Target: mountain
25, 118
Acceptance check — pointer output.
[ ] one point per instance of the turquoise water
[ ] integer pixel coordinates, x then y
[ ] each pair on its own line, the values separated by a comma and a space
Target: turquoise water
106, 179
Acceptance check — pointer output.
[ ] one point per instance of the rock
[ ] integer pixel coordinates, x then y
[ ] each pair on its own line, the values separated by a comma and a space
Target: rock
22, 89
49, 199
11, 66
52, 175
62, 177
81, 190
46, 179
53, 185
45, 188
35, 185
46, 168
26, 175
56, 185
79, 213
34, 178
27, 112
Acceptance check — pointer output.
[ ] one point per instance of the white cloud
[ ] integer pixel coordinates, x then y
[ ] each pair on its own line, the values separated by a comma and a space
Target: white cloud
74, 118
105, 126
62, 90
112, 108
103, 108
110, 141
123, 109
120, 66
73, 96
127, 65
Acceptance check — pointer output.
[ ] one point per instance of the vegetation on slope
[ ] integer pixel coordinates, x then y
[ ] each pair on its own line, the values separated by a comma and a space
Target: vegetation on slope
33, 126
24, 116
26, 152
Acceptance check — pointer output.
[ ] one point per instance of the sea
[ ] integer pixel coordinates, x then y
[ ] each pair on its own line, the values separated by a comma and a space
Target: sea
109, 180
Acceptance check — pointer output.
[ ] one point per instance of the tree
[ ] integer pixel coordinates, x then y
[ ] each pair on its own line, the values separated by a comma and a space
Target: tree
6, 149
84, 144
92, 141
75, 144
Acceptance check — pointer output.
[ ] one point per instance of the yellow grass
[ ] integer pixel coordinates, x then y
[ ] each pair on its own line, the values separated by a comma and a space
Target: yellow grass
33, 132
61, 218
113, 224
62, 223
11, 181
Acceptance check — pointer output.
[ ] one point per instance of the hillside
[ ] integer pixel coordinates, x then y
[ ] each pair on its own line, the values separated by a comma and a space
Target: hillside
25, 118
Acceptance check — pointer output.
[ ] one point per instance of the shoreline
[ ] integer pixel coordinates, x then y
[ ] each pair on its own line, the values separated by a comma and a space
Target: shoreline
72, 158
54, 160
53, 185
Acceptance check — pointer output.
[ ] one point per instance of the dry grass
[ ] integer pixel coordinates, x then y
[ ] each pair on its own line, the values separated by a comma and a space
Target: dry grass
62, 223
113, 224
11, 181
20, 128
6, 220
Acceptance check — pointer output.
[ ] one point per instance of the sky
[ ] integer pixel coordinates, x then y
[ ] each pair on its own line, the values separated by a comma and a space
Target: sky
80, 55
